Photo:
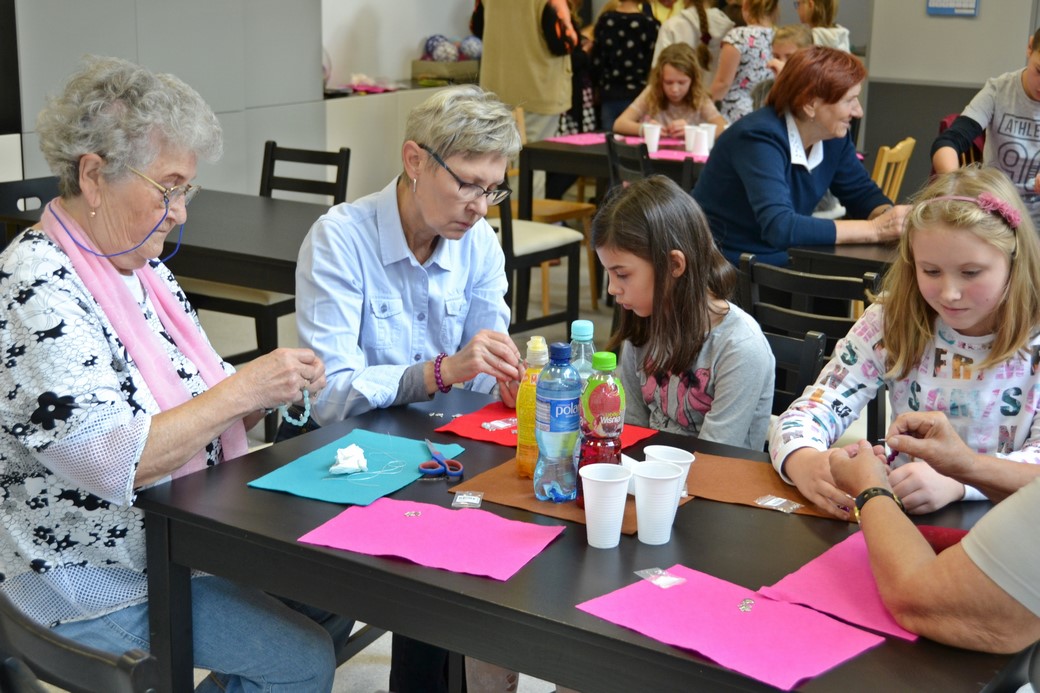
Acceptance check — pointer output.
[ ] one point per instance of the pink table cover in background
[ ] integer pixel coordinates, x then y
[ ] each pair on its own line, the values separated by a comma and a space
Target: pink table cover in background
581, 139
662, 142
839, 582
469, 540
774, 642
678, 155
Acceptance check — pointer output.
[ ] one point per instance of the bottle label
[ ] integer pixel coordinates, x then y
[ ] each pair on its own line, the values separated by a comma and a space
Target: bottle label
557, 415
603, 407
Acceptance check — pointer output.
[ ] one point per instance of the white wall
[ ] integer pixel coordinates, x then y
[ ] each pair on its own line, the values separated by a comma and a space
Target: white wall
381, 38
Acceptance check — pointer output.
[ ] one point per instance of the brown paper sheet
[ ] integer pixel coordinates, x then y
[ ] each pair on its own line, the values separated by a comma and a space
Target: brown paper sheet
502, 485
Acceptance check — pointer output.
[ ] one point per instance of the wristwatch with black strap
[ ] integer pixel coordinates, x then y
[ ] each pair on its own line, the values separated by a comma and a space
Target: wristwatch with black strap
874, 492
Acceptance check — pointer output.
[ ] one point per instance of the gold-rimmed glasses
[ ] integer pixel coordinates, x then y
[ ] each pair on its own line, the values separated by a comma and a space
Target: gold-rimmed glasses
171, 195
470, 191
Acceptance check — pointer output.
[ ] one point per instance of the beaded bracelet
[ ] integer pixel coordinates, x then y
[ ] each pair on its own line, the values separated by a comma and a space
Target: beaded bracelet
286, 416
437, 373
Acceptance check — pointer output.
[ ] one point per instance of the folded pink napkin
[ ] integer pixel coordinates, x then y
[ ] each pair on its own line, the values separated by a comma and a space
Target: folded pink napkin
469, 541
584, 138
839, 582
774, 642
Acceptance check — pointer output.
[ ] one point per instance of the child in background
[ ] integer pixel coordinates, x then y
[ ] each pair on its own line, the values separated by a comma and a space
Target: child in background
746, 51
674, 97
691, 362
622, 50
820, 15
955, 329
701, 26
787, 40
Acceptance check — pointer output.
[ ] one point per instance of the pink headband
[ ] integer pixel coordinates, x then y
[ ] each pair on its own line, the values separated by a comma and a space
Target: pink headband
988, 202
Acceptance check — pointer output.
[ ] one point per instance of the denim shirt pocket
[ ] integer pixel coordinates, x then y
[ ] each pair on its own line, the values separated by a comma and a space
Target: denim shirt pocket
456, 308
387, 315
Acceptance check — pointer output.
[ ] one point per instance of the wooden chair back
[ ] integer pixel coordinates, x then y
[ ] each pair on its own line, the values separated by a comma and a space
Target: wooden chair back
336, 189
890, 167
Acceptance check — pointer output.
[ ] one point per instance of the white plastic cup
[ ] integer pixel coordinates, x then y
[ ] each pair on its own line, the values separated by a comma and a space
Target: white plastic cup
700, 143
605, 489
677, 456
709, 130
657, 487
690, 132
652, 136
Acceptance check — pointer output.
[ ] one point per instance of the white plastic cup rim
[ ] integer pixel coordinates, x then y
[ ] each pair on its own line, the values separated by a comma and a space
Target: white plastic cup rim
667, 453
605, 472
657, 470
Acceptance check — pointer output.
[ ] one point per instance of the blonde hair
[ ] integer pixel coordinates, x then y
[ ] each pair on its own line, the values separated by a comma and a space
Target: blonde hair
824, 13
909, 322
681, 57
798, 34
757, 10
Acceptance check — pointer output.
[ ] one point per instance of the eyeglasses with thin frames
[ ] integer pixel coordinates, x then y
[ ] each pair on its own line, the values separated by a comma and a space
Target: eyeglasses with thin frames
470, 191
170, 195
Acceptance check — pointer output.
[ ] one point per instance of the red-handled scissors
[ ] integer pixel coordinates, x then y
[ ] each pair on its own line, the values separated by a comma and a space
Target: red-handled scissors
439, 465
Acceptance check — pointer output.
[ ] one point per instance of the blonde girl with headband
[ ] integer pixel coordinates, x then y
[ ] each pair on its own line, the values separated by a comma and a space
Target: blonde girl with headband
954, 330
674, 97
700, 25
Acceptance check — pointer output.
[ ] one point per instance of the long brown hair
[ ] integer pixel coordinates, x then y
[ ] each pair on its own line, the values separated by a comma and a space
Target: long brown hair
650, 219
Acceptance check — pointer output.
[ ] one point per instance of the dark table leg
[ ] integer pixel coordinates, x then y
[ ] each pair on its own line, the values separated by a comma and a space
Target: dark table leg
525, 204
169, 609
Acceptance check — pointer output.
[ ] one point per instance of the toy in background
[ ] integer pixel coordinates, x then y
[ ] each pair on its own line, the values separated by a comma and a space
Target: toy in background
446, 61
441, 49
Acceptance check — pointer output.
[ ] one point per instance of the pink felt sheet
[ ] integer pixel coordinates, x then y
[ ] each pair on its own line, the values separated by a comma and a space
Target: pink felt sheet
581, 139
774, 642
839, 582
469, 540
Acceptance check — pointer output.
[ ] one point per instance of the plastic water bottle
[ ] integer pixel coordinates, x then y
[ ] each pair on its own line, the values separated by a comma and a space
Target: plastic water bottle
556, 427
582, 348
602, 416
526, 443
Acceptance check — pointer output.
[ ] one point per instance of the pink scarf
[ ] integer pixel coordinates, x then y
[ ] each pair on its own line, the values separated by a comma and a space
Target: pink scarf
107, 287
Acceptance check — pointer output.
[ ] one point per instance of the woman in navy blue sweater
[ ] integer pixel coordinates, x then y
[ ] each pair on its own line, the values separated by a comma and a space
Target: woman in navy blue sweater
768, 170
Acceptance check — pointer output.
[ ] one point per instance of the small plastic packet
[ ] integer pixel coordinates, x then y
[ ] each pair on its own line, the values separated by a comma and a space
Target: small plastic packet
499, 424
661, 578
776, 503
467, 499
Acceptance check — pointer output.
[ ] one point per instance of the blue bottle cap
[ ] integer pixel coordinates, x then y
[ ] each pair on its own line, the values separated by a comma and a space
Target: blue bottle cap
581, 330
560, 351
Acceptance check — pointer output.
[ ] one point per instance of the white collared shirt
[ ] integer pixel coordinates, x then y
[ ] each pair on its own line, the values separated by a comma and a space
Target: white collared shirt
794, 138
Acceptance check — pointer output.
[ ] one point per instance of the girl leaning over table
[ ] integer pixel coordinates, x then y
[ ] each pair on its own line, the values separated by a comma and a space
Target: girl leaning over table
956, 329
691, 361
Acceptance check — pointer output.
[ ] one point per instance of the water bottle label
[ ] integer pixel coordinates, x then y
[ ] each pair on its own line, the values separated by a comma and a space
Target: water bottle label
557, 415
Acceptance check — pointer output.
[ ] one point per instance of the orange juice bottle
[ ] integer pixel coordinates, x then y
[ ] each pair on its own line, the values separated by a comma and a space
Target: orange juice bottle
526, 444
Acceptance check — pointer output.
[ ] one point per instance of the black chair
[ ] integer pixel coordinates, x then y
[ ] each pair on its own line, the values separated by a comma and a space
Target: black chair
265, 307
526, 245
792, 303
1022, 669
627, 163
798, 362
30, 652
24, 195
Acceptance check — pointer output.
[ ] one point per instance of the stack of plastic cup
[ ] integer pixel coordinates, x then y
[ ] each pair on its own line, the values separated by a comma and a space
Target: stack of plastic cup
677, 456
657, 489
605, 488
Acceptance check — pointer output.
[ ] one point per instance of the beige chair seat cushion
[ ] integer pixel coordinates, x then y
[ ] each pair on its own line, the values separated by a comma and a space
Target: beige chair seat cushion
532, 237
231, 291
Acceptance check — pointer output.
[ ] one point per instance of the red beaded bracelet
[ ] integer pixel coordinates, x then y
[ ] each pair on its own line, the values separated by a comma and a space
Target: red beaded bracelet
437, 373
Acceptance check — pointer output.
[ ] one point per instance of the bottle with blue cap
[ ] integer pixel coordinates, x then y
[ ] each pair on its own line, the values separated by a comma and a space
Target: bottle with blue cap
582, 348
557, 407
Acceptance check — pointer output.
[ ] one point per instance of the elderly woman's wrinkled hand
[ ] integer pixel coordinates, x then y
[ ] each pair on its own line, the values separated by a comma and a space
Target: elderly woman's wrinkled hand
890, 224
853, 473
490, 352
281, 376
930, 436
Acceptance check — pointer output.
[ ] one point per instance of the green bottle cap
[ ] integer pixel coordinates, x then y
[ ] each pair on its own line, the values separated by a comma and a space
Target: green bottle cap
604, 361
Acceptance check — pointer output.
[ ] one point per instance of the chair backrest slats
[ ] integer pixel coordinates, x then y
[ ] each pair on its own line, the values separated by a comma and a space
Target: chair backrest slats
336, 189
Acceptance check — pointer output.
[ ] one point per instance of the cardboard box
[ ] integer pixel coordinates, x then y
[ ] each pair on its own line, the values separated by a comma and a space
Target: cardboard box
458, 72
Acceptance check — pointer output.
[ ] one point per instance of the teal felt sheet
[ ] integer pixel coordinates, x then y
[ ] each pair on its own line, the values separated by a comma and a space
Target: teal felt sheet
393, 463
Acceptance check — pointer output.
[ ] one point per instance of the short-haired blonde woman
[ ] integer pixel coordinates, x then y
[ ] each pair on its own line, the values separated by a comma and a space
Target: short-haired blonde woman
956, 329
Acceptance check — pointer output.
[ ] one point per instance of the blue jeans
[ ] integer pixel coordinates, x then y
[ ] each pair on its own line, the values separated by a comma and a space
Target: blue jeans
250, 640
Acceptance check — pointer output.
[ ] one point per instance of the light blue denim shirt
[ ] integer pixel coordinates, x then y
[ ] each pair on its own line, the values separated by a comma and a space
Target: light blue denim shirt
367, 307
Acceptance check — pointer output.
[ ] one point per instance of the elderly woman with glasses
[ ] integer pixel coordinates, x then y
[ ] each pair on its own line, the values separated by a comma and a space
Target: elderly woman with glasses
401, 293
112, 386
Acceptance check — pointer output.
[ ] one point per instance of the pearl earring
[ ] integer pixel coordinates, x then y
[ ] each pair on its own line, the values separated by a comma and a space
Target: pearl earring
93, 213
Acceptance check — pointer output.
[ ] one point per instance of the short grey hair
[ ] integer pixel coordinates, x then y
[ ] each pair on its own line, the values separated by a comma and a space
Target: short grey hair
464, 120
126, 114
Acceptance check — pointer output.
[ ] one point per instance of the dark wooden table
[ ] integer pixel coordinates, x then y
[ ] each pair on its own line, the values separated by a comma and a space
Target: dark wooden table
212, 521
843, 260
246, 240
579, 160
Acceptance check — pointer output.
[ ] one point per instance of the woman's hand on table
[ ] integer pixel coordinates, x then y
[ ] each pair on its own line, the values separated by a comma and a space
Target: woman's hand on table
489, 352
889, 224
